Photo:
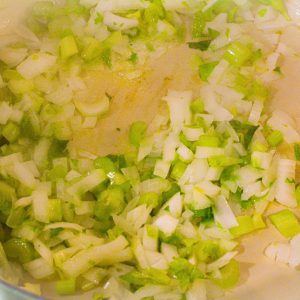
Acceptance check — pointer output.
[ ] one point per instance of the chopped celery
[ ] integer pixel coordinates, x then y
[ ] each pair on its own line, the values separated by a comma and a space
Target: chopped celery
20, 86
202, 45
110, 202
178, 169
286, 223
66, 287
57, 173
151, 16
92, 50
55, 210
62, 131
203, 215
258, 221
277, 5
150, 199
223, 161
134, 58
9, 74
68, 47
197, 106
19, 249
106, 57
171, 192
7, 197
207, 251
208, 141
105, 163
230, 275
43, 9
60, 27
237, 54
16, 217
246, 225
146, 276
11, 132
182, 270
258, 91
206, 69
275, 138
30, 125
137, 132
198, 25
297, 151
298, 194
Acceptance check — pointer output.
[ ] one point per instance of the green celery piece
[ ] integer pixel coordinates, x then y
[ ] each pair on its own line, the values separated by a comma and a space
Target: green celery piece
185, 142
150, 199
152, 14
109, 202
202, 45
259, 91
206, 69
237, 54
9, 74
182, 270
230, 275
66, 287
105, 163
30, 125
11, 132
134, 58
57, 172
7, 197
19, 249
68, 47
286, 223
275, 138
55, 210
106, 57
298, 194
178, 169
203, 215
198, 25
207, 251
223, 161
246, 130
60, 27
171, 192
146, 276
297, 151
20, 86
220, 6
245, 226
43, 10
114, 232
62, 130
277, 5
137, 132
92, 50
74, 7
208, 141
197, 106
57, 149
16, 217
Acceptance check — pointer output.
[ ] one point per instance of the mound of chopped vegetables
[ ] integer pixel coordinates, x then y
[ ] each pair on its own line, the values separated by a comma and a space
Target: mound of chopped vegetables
162, 221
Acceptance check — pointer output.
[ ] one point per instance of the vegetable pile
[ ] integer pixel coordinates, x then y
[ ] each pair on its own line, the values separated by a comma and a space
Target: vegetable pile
162, 221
